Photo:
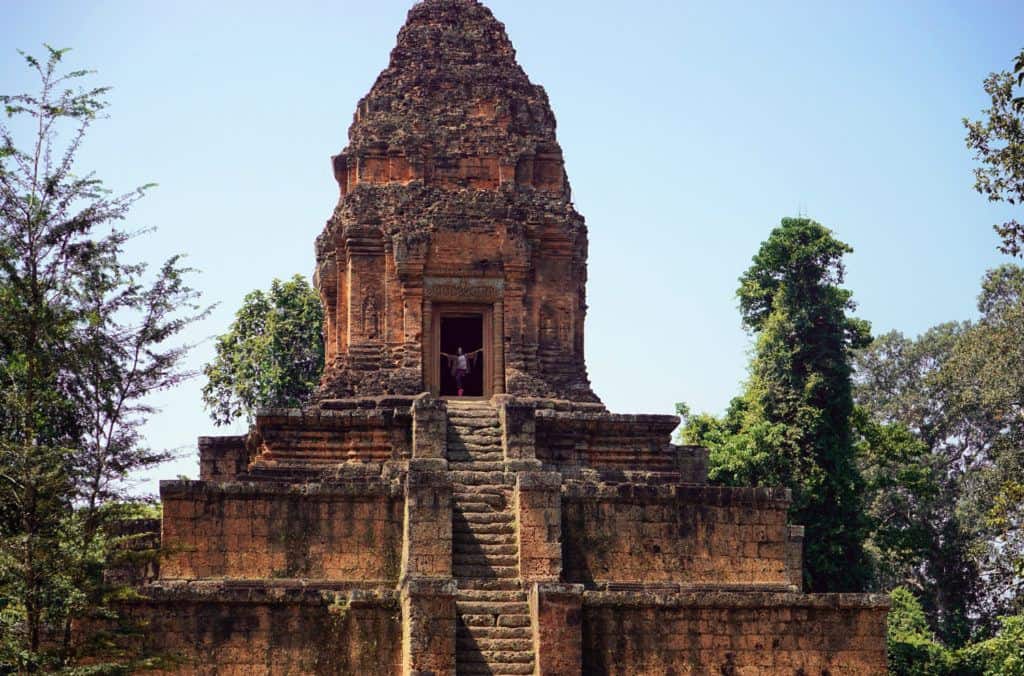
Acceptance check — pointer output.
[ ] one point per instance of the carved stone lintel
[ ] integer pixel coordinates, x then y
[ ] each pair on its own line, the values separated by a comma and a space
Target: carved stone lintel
465, 290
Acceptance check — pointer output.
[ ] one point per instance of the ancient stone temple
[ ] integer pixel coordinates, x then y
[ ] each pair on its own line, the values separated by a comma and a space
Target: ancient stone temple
419, 518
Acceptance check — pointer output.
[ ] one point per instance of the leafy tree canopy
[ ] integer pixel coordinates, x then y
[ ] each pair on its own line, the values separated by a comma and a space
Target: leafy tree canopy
791, 427
85, 337
271, 356
998, 144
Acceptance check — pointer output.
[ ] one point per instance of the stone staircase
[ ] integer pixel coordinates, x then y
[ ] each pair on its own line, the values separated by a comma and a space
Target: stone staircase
493, 630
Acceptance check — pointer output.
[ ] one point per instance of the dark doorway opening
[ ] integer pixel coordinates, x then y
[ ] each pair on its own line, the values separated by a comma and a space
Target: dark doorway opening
468, 333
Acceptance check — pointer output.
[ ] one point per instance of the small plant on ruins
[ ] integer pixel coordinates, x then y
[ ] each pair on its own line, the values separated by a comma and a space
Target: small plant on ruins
271, 356
792, 425
84, 339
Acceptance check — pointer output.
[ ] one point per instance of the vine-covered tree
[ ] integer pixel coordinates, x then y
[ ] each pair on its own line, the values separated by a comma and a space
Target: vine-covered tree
271, 356
998, 144
84, 339
792, 425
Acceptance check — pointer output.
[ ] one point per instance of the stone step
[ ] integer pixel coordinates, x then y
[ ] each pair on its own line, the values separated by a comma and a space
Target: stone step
484, 538
497, 496
478, 478
489, 645
490, 631
488, 549
491, 584
516, 622
468, 508
460, 419
459, 526
458, 430
482, 517
473, 440
496, 505
510, 596
493, 657
495, 455
472, 416
475, 571
483, 669
475, 465
460, 560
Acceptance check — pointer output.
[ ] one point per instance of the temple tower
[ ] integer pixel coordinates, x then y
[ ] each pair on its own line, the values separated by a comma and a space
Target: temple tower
455, 225
393, 526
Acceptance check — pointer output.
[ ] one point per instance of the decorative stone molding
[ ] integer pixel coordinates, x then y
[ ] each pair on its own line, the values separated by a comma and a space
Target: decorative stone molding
463, 289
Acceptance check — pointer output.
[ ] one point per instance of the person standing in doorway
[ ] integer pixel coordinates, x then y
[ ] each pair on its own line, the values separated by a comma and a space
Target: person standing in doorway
461, 364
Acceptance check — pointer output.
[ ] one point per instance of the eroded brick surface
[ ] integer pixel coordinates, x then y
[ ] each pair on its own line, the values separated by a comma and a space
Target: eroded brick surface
241, 531
217, 630
677, 534
630, 634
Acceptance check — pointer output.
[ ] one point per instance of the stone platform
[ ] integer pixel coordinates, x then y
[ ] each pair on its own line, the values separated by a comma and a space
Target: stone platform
485, 537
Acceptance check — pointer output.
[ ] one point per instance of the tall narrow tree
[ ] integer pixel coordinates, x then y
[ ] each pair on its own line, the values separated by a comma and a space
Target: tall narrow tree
792, 426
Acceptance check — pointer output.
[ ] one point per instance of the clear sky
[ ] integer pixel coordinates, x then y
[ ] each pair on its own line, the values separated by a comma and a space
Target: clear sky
689, 129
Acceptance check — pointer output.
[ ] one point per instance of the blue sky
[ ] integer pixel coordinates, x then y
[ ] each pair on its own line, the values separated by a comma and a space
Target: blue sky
689, 129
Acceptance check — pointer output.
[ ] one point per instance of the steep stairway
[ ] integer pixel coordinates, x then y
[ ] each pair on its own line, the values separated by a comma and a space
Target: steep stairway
493, 631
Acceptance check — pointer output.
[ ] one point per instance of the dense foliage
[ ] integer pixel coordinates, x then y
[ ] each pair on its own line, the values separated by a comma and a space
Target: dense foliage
998, 144
792, 425
84, 338
913, 448
271, 356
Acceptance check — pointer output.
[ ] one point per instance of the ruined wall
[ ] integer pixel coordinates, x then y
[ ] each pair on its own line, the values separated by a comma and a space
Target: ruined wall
328, 531
222, 458
689, 535
569, 439
238, 632
755, 634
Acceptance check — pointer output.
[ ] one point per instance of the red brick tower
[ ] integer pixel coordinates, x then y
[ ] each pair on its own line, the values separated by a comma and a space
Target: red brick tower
394, 527
454, 204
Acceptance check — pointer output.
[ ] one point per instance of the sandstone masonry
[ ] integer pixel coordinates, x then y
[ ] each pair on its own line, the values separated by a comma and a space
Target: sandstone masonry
397, 527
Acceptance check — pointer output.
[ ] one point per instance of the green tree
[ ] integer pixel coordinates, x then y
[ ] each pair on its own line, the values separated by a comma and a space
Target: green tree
916, 450
986, 374
998, 144
792, 425
1001, 655
272, 355
83, 341
957, 389
913, 649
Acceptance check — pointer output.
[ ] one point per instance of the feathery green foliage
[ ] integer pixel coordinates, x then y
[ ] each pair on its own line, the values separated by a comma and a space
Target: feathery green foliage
998, 144
84, 339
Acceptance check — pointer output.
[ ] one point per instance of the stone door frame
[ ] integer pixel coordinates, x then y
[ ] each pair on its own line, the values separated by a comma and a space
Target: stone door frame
445, 310
462, 296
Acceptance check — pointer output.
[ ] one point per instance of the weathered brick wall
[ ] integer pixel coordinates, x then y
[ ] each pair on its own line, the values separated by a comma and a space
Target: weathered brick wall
236, 632
608, 441
222, 458
678, 534
751, 634
329, 531
379, 431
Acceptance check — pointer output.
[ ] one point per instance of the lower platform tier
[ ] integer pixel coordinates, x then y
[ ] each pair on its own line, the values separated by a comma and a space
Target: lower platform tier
277, 627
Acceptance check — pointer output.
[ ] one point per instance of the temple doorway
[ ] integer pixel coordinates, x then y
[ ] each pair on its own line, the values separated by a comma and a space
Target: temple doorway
467, 332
